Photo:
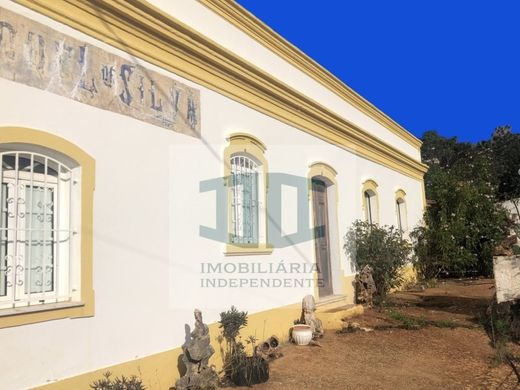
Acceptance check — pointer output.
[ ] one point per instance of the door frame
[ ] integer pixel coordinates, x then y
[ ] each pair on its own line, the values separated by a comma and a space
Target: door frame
320, 191
325, 173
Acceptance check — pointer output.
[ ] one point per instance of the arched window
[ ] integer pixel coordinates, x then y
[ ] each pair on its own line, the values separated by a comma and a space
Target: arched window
46, 210
38, 210
246, 168
370, 202
400, 210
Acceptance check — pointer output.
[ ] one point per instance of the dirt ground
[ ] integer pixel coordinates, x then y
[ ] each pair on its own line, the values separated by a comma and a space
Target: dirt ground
429, 358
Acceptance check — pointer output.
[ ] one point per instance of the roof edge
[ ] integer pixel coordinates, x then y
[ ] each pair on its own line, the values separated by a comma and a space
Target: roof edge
146, 32
241, 18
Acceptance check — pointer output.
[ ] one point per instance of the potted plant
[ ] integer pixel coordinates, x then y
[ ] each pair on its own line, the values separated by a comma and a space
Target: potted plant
239, 368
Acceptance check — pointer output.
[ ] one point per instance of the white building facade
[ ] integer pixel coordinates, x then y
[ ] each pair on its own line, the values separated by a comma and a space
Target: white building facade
163, 156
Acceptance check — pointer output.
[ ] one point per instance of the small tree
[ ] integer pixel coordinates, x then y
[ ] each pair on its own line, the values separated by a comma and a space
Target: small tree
239, 368
231, 322
381, 247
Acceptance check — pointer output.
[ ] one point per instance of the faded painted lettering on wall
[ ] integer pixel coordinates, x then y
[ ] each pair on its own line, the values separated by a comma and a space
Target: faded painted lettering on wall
38, 56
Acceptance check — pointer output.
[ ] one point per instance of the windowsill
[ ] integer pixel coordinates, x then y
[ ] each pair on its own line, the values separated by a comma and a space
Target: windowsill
39, 308
248, 249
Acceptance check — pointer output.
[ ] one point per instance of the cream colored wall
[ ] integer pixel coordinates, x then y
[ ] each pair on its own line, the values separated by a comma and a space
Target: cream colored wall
197, 16
147, 212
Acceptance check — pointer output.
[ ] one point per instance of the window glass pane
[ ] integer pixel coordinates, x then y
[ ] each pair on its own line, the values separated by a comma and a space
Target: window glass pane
3, 242
39, 244
34, 267
368, 206
250, 207
401, 212
399, 216
244, 177
246, 205
234, 203
254, 206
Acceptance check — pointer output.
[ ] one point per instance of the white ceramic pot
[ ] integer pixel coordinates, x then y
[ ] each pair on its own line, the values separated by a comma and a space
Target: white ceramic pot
302, 334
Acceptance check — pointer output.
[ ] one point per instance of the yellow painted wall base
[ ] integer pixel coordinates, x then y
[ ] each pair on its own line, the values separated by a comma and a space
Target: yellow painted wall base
332, 318
160, 371
331, 314
409, 274
349, 288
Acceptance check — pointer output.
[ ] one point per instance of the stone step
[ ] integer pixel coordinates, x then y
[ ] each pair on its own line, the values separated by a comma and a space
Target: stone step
333, 300
333, 314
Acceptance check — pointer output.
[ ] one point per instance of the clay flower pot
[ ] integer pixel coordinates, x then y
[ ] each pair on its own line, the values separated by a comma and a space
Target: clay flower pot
302, 334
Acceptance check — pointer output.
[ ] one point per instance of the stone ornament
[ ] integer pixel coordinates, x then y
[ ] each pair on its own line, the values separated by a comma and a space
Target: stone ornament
365, 286
309, 317
196, 354
270, 349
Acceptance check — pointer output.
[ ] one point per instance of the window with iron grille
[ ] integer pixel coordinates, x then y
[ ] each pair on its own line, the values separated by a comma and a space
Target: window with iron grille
37, 239
244, 202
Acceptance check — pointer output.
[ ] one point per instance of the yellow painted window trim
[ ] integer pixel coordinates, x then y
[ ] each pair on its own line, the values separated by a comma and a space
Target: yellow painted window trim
85, 307
252, 146
370, 185
245, 250
400, 194
319, 168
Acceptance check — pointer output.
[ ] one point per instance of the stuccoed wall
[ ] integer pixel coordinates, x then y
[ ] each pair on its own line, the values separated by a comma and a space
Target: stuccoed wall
147, 213
202, 19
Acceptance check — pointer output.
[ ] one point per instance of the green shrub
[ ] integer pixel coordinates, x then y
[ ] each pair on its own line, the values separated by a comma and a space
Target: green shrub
381, 247
118, 383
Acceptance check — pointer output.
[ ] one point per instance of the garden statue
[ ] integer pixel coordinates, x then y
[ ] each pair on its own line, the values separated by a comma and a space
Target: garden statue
196, 353
309, 317
365, 286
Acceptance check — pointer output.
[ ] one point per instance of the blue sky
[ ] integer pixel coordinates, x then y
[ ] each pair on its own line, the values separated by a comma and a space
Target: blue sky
451, 66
